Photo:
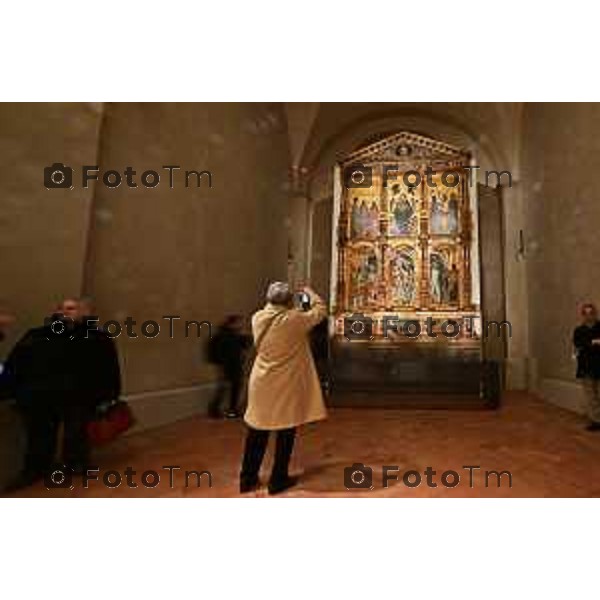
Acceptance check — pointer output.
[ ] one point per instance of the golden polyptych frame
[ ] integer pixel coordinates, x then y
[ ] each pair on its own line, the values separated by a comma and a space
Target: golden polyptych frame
404, 240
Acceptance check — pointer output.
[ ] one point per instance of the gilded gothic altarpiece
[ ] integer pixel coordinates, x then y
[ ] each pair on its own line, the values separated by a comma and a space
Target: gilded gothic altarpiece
404, 238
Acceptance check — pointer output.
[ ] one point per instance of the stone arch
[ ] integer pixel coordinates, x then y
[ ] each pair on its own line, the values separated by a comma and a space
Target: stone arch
320, 160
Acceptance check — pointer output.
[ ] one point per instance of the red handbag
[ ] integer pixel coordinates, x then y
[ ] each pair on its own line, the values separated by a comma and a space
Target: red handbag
110, 422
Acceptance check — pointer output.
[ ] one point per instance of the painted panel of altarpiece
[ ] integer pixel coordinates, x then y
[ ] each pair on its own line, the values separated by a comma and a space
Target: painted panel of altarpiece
364, 219
444, 278
403, 203
365, 262
443, 212
402, 277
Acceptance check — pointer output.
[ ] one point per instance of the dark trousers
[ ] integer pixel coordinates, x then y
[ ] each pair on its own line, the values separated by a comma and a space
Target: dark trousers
254, 452
76, 446
41, 430
41, 420
234, 378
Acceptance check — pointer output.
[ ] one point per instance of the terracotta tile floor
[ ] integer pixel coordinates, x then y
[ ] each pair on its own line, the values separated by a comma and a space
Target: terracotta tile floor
545, 448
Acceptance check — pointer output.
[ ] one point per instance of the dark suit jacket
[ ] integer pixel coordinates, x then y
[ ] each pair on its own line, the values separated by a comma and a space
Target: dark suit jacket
70, 365
588, 354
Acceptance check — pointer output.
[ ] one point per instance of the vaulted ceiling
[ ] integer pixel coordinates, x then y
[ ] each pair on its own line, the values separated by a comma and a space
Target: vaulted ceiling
326, 129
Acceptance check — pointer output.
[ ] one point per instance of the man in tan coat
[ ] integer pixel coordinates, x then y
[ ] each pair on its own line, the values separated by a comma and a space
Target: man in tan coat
284, 390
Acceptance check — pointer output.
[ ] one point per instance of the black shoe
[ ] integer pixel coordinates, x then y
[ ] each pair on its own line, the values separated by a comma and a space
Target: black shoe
248, 486
281, 486
232, 414
593, 426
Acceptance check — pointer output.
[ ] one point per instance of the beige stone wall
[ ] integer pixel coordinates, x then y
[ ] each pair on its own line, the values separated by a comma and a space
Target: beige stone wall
515, 288
42, 232
560, 154
321, 220
198, 253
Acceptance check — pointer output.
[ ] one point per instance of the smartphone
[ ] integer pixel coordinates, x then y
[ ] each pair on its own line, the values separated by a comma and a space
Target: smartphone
303, 300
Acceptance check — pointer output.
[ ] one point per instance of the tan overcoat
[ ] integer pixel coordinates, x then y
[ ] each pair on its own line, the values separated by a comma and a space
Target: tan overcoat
284, 389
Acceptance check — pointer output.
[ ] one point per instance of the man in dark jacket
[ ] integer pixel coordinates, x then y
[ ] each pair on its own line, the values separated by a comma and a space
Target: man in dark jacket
586, 339
227, 349
59, 373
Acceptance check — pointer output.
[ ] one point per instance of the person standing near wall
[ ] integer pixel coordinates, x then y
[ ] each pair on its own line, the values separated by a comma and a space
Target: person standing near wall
586, 339
59, 373
284, 390
227, 350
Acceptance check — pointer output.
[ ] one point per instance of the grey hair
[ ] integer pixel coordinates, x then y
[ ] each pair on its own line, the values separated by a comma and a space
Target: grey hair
279, 293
